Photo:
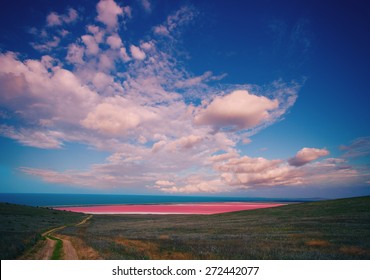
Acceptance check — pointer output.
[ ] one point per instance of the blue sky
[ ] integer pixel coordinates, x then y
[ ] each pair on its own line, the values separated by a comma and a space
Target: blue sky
252, 98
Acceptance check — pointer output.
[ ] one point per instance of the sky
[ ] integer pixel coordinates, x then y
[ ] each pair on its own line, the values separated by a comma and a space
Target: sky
226, 98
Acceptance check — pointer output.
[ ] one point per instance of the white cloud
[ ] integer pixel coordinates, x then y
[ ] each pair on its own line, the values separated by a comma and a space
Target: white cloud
123, 54
181, 17
182, 144
187, 142
75, 54
306, 155
64, 32
40, 90
164, 183
91, 45
47, 45
137, 53
127, 11
222, 157
50, 37
71, 17
101, 81
194, 185
146, 5
108, 12
110, 119
161, 30
237, 110
193, 81
175, 21
39, 139
258, 172
147, 46
97, 32
54, 19
106, 62
114, 41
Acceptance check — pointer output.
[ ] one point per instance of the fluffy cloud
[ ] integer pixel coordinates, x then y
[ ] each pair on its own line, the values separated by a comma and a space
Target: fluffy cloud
47, 45
109, 11
251, 172
91, 45
103, 82
39, 89
237, 110
194, 184
164, 183
307, 155
114, 41
183, 143
123, 54
97, 32
115, 117
75, 54
137, 53
54, 19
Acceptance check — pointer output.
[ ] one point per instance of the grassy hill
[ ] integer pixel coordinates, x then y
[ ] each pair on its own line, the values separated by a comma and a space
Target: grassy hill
336, 229
21, 226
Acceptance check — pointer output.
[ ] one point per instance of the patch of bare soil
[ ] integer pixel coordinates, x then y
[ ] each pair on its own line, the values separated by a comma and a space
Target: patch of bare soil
318, 243
43, 250
83, 251
69, 252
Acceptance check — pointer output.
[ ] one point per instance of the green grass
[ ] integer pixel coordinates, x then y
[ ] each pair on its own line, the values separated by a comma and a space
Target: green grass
21, 226
58, 249
335, 229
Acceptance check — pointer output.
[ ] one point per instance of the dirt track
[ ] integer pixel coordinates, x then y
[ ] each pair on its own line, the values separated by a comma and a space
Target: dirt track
84, 220
69, 252
46, 250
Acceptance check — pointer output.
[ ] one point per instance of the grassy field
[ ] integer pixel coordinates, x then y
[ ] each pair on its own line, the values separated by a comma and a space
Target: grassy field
336, 229
22, 226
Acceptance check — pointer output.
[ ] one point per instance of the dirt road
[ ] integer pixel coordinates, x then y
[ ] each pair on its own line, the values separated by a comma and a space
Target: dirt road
69, 252
47, 247
84, 220
47, 251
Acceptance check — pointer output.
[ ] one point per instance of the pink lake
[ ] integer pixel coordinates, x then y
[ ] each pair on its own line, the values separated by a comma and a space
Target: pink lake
185, 208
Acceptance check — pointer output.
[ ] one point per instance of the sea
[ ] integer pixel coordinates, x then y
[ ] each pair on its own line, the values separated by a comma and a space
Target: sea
52, 200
